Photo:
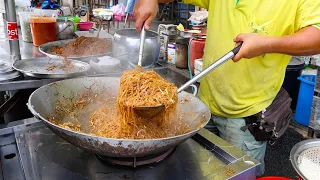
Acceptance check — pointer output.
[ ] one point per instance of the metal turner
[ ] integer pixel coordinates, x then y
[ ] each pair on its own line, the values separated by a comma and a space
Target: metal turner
142, 41
150, 112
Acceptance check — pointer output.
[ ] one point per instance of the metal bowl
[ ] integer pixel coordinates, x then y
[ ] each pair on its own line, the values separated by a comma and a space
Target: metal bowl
307, 150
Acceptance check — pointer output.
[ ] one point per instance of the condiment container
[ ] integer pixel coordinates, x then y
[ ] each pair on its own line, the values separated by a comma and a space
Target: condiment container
43, 29
198, 64
24, 18
182, 53
171, 53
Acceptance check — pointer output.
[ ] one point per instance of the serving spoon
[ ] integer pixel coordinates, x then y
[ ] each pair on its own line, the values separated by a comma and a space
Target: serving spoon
152, 111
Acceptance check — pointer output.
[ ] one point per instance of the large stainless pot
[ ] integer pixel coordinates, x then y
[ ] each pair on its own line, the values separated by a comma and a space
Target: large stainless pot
43, 101
65, 29
125, 47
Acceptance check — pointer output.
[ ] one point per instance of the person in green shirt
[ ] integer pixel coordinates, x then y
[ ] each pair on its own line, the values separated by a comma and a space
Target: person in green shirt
271, 32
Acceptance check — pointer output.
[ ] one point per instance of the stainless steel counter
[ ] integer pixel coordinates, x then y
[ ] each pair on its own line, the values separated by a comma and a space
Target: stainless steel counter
27, 50
32, 151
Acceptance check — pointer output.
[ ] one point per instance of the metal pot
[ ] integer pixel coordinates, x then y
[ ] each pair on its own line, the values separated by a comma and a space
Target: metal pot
125, 47
65, 29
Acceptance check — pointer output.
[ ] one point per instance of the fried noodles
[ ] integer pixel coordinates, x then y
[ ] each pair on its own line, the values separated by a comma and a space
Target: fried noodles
105, 122
144, 88
114, 117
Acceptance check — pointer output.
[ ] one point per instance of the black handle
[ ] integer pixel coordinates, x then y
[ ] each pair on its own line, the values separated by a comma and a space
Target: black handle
236, 49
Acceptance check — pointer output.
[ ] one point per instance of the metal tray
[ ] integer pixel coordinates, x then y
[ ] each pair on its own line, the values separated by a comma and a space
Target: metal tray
37, 68
46, 48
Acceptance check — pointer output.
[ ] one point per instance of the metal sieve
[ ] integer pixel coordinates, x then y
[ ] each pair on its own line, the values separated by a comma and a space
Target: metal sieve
305, 158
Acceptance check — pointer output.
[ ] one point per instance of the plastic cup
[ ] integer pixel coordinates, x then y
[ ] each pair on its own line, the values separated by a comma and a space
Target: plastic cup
24, 18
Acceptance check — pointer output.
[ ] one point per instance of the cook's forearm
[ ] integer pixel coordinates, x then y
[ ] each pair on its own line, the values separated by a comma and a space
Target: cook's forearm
303, 43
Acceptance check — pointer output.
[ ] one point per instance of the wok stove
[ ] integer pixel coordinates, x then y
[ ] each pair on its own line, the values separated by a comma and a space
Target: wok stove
31, 151
136, 161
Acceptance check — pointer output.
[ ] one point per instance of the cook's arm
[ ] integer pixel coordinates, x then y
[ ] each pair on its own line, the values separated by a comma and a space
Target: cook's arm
303, 43
146, 10
306, 39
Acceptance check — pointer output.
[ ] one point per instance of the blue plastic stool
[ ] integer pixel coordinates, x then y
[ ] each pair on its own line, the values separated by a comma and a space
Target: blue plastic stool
305, 97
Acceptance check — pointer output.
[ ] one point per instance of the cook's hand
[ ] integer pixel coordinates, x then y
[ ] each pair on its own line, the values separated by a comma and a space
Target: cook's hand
253, 45
145, 11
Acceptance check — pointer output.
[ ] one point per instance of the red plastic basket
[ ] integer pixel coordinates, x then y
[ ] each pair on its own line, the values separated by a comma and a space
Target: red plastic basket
85, 26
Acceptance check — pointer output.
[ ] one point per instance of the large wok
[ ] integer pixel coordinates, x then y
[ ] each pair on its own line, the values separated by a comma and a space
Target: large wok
43, 101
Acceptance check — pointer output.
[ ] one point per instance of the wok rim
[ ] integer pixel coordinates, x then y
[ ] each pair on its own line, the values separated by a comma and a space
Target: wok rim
37, 115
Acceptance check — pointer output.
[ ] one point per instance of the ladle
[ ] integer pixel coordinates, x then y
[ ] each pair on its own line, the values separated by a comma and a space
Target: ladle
149, 112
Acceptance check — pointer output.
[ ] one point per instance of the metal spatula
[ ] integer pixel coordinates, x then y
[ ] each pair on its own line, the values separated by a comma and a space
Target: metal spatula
146, 111
142, 40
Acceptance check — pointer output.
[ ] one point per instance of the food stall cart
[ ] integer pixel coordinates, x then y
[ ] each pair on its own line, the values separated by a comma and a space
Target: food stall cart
30, 150
35, 152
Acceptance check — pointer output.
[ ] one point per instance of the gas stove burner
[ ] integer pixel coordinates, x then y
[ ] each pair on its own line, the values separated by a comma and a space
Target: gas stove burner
136, 161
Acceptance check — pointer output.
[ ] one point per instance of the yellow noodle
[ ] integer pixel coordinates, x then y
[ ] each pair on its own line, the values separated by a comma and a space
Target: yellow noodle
116, 118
